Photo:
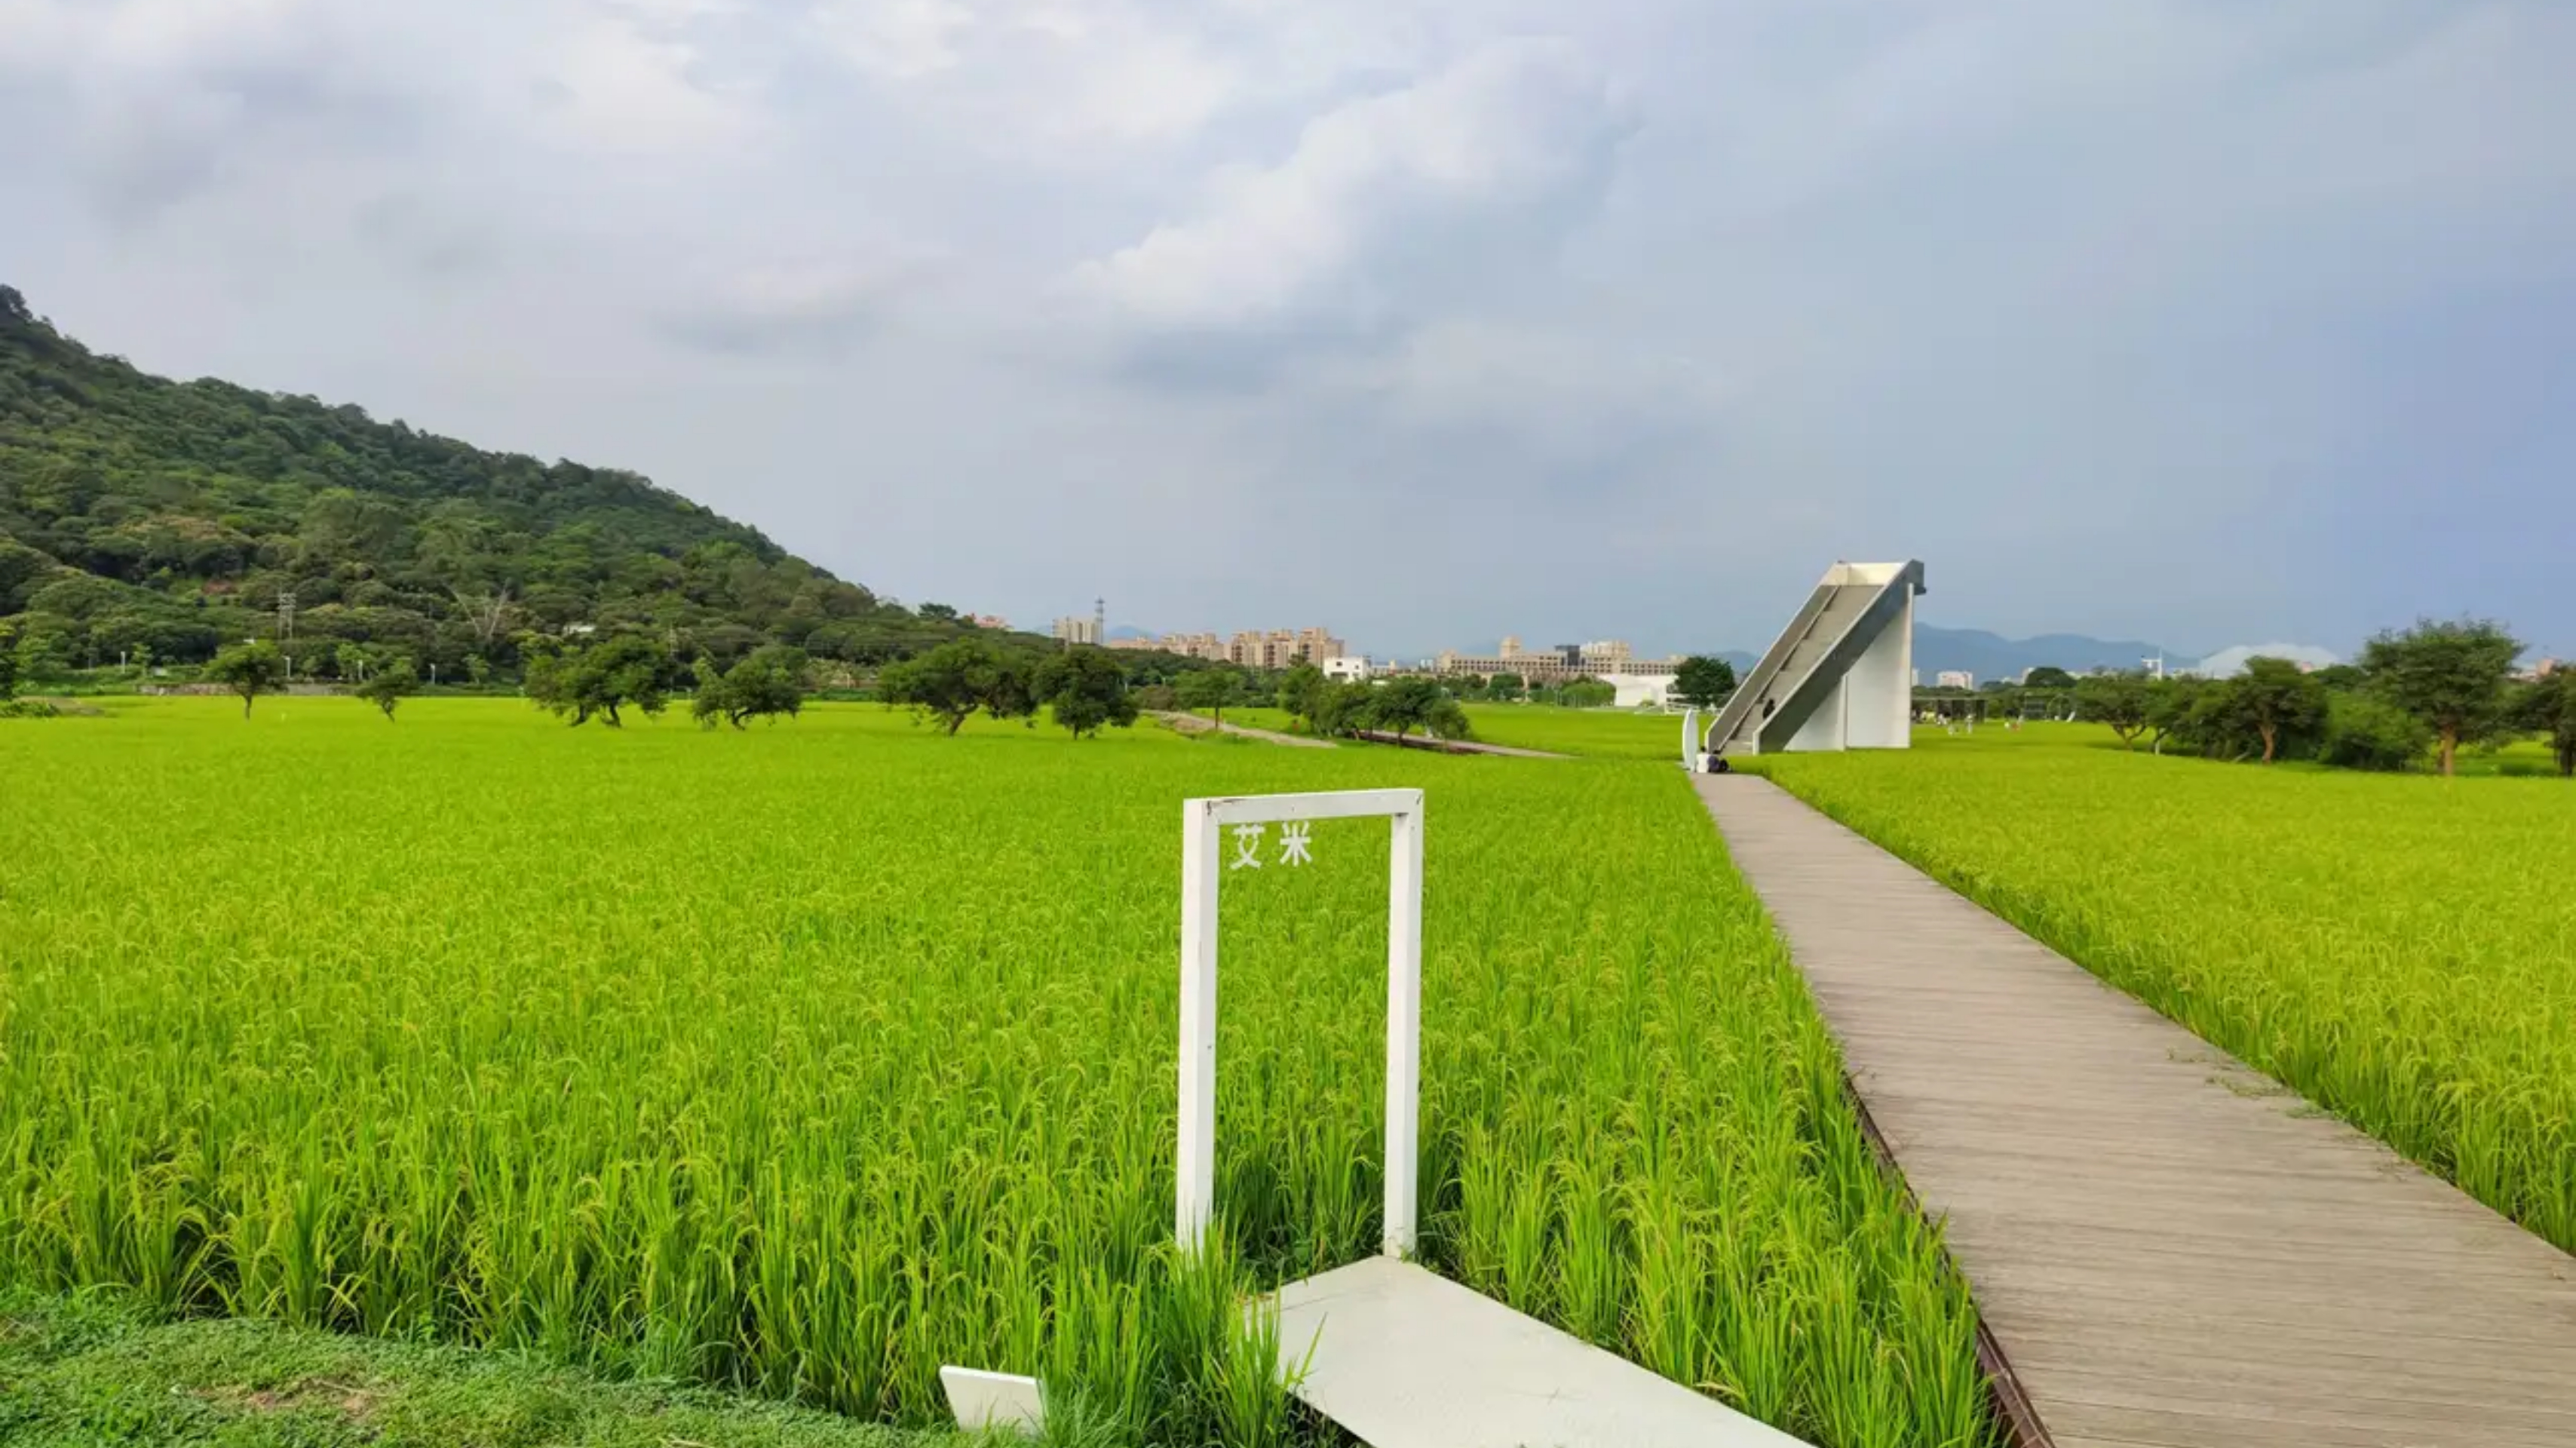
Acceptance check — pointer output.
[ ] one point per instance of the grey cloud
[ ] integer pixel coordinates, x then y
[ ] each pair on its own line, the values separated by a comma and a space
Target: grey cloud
825, 333
798, 309
2149, 318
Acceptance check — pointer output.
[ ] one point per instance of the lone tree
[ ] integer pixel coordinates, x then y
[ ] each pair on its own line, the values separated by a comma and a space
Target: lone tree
2048, 676
1085, 689
952, 681
389, 686
2125, 702
1404, 705
603, 679
1343, 709
2549, 707
1301, 692
765, 683
1505, 688
1210, 689
249, 670
2452, 675
2276, 701
1703, 682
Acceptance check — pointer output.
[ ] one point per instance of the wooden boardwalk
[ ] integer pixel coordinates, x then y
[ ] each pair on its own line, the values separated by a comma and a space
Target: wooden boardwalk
2170, 1249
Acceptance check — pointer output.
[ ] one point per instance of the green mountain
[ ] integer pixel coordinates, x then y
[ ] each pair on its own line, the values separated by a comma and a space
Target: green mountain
141, 513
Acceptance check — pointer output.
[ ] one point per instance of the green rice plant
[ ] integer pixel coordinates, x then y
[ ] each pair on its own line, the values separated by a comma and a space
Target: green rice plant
1592, 733
2399, 949
805, 1060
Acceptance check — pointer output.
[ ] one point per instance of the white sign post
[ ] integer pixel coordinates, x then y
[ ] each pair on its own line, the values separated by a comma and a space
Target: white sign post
1222, 835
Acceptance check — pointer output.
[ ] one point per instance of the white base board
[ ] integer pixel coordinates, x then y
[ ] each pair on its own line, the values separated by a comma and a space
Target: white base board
993, 1400
1406, 1359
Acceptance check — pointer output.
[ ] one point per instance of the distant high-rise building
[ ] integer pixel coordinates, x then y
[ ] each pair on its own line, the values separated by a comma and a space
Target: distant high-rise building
1602, 658
1954, 679
1077, 630
1282, 649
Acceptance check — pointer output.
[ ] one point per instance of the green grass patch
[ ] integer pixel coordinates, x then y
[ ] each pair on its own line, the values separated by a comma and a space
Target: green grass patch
81, 1372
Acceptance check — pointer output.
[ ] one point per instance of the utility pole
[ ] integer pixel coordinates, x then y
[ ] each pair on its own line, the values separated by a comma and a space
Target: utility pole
286, 631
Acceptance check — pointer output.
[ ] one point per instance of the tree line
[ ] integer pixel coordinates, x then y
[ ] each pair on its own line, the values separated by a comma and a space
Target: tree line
2424, 692
1086, 689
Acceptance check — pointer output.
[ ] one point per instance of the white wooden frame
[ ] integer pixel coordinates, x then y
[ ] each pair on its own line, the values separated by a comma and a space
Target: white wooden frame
1203, 826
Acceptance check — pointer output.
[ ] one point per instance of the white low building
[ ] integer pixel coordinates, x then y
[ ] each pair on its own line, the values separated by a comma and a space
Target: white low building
1641, 691
1348, 669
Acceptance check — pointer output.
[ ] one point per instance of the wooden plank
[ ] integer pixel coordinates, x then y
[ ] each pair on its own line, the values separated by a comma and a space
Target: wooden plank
2172, 1250
1406, 1359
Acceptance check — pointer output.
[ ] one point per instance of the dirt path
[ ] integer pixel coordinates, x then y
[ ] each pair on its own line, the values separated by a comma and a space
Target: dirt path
1193, 724
1457, 746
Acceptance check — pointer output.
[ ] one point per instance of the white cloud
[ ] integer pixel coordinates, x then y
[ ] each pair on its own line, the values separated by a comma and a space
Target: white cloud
1552, 384
2227, 663
621, 87
893, 39
811, 306
1137, 82
1046, 72
2050, 295
1511, 124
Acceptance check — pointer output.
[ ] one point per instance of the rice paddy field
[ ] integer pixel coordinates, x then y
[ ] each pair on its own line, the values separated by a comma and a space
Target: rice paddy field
2399, 949
808, 1058
1594, 733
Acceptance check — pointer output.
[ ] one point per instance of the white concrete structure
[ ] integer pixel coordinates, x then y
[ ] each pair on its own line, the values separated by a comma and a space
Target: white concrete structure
1640, 691
1954, 679
1347, 669
1839, 676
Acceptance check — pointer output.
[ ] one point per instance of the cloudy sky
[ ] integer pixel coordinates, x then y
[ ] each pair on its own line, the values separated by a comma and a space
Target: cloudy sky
2204, 321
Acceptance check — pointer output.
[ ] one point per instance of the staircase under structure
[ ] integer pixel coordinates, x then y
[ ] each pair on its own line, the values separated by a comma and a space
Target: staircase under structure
1840, 676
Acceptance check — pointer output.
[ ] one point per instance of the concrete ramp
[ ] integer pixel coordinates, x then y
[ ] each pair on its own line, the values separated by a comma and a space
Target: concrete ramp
1403, 1358
1840, 676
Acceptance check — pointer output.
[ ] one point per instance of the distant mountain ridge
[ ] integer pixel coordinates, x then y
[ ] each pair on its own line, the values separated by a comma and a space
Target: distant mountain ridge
1992, 656
138, 514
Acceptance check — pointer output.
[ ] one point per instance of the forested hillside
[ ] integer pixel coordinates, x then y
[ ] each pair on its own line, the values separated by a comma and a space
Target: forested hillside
138, 513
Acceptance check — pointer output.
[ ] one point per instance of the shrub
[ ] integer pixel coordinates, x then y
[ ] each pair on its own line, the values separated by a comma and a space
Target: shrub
2367, 733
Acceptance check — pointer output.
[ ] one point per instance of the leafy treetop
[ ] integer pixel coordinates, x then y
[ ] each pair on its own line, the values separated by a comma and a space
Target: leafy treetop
1084, 689
1703, 682
250, 670
2452, 675
602, 679
951, 682
387, 687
